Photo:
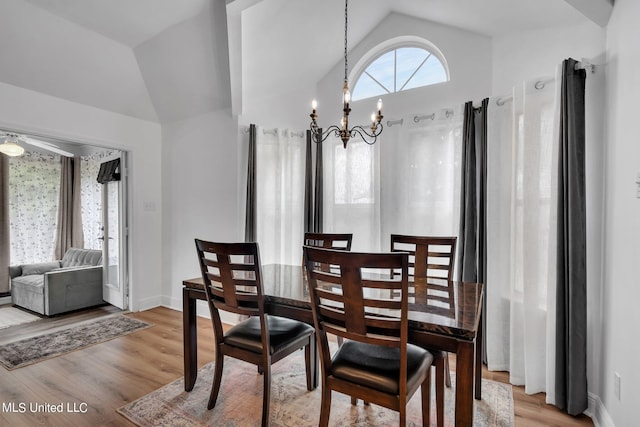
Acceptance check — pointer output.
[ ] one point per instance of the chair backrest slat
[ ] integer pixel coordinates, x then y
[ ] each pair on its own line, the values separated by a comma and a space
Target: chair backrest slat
232, 276
337, 241
360, 299
432, 260
428, 255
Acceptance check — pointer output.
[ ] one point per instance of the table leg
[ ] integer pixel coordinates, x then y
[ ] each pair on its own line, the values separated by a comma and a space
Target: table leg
190, 340
464, 383
478, 368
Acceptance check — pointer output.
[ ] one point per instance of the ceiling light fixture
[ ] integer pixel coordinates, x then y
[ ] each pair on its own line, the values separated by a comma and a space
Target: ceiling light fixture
343, 131
10, 146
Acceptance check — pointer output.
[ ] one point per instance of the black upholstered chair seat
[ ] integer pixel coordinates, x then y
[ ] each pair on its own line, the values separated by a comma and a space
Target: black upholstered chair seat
378, 367
282, 333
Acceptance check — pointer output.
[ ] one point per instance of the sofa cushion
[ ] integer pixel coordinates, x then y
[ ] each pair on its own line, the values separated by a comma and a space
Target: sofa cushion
39, 268
75, 257
33, 283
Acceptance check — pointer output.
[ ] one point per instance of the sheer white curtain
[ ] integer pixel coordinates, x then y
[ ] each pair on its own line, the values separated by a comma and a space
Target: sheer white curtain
34, 186
421, 175
280, 162
352, 191
521, 204
408, 182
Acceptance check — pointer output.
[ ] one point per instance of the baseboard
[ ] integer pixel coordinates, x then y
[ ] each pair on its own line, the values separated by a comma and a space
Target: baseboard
5, 300
146, 304
598, 412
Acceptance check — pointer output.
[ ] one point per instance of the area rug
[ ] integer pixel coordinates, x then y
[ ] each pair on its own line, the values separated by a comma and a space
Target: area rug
11, 316
240, 402
36, 349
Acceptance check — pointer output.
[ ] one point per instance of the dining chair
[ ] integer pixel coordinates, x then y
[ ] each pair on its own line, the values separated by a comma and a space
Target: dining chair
337, 241
431, 261
375, 363
233, 283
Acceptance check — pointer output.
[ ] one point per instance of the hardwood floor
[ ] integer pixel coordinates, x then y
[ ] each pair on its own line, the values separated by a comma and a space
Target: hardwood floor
111, 374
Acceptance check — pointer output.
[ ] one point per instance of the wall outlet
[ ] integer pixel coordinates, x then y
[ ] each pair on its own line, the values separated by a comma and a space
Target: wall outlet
149, 206
616, 384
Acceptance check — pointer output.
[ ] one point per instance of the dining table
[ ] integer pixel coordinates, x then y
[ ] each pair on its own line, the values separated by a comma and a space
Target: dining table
443, 316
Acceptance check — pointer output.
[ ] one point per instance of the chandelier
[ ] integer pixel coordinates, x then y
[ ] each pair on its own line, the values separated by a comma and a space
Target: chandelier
10, 146
343, 131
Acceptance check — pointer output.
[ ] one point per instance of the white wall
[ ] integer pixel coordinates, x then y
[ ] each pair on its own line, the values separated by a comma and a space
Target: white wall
200, 194
33, 112
622, 212
537, 54
532, 54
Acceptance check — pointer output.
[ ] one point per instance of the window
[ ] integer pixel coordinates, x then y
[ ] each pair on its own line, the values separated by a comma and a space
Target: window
399, 69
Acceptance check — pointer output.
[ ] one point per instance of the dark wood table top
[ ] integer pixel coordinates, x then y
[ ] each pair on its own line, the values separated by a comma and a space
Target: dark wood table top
451, 309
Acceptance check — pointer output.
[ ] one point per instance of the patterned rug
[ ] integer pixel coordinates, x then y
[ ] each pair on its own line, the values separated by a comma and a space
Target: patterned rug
240, 402
11, 316
36, 349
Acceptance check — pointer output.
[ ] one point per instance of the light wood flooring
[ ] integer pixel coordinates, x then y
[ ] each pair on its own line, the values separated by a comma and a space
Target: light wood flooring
111, 374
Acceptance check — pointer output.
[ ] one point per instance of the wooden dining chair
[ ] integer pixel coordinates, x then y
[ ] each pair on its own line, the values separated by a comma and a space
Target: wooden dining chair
431, 261
337, 241
375, 363
233, 282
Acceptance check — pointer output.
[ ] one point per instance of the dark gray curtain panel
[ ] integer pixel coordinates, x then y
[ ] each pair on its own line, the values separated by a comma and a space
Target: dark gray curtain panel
571, 293
308, 186
5, 247
472, 238
250, 208
318, 191
69, 232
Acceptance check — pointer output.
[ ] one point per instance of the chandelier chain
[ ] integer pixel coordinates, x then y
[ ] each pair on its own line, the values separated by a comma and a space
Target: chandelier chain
344, 131
346, 22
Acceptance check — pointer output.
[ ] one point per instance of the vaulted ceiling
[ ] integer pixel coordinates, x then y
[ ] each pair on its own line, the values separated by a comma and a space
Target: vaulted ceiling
166, 60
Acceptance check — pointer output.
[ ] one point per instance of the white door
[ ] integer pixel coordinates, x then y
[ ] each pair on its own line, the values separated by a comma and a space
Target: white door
114, 240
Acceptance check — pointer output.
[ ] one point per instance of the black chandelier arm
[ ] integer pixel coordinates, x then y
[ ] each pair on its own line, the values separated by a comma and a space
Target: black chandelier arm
367, 136
319, 137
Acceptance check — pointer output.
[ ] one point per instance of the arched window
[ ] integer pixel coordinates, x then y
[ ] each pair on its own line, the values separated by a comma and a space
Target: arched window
398, 69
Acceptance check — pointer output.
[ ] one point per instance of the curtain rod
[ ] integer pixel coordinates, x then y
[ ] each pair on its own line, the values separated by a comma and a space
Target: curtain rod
274, 131
447, 112
585, 65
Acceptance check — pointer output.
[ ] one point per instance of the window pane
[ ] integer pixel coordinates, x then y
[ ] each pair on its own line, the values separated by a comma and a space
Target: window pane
408, 59
400, 69
430, 73
382, 70
366, 87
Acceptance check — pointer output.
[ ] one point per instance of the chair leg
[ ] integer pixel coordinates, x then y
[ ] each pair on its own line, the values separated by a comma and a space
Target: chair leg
440, 380
403, 415
266, 395
217, 379
446, 365
311, 362
425, 390
325, 408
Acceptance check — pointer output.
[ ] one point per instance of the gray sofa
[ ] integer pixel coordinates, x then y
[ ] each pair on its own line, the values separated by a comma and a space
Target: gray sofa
50, 288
